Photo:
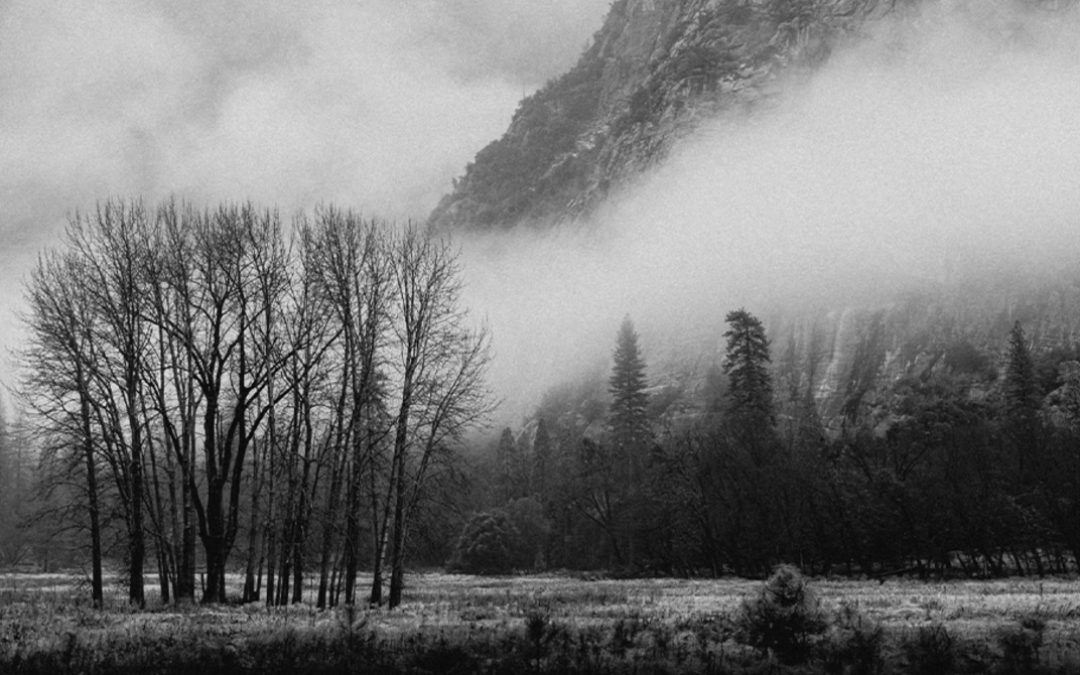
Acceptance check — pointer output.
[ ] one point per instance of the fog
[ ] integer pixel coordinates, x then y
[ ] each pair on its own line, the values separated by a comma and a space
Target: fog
946, 141
943, 145
374, 105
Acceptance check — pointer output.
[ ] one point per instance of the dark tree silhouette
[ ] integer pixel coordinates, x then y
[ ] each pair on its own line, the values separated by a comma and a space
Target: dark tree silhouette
746, 364
629, 424
1021, 398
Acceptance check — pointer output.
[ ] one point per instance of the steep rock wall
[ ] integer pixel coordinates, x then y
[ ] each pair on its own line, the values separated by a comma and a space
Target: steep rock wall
653, 72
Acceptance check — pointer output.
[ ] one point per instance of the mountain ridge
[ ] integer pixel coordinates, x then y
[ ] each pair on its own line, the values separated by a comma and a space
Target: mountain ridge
652, 73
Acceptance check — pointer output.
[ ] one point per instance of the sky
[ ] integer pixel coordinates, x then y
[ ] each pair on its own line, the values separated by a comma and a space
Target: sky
370, 104
950, 138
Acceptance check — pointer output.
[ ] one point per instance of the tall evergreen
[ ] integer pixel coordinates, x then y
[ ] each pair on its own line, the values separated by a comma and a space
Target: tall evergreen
542, 459
630, 436
746, 364
1021, 396
629, 423
509, 476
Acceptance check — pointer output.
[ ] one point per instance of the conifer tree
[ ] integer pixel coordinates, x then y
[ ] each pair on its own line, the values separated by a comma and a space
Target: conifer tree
746, 364
628, 421
630, 436
1021, 395
542, 457
508, 466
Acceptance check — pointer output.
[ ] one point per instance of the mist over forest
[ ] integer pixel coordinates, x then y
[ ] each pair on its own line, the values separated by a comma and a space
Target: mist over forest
939, 147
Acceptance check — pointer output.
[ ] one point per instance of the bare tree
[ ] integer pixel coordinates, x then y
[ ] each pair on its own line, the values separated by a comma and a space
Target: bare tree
438, 364
57, 387
222, 273
109, 248
349, 256
232, 383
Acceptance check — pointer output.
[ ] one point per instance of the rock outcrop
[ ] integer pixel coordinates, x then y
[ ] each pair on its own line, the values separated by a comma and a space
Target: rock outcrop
652, 73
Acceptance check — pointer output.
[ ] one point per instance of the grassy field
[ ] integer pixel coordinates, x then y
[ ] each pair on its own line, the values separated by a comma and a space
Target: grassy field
452, 623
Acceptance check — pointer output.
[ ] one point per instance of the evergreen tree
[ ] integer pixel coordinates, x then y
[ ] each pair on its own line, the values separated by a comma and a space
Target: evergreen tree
542, 459
1021, 396
628, 421
506, 456
746, 364
630, 438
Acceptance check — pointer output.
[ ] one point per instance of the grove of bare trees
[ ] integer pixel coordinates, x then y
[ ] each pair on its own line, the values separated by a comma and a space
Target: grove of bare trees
229, 391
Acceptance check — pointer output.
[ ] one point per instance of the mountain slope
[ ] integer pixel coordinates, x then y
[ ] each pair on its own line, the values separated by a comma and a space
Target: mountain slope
654, 70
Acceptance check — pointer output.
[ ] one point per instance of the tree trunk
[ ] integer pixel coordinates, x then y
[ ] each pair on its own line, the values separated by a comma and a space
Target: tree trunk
352, 522
163, 575
298, 575
136, 544
185, 576
328, 529
250, 593
214, 592
397, 542
214, 545
96, 585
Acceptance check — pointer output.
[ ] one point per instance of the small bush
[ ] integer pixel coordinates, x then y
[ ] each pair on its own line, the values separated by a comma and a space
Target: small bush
539, 631
932, 651
854, 644
785, 618
1020, 645
486, 546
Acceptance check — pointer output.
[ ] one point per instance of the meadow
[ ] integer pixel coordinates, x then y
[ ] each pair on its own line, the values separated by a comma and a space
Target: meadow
554, 623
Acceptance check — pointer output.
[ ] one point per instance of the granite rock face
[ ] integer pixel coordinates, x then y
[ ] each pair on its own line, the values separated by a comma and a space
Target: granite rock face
653, 71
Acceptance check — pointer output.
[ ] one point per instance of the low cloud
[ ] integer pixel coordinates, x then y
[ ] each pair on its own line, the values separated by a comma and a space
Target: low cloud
371, 105
944, 144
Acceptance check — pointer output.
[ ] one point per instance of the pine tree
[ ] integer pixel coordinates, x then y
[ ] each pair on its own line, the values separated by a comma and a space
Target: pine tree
629, 423
1021, 396
746, 364
630, 435
506, 456
542, 457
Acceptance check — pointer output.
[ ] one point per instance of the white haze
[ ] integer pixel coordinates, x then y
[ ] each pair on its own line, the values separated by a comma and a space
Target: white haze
950, 140
373, 104
955, 136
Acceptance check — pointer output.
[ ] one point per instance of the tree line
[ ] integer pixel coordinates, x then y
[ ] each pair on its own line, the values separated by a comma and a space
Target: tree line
217, 390
279, 398
967, 467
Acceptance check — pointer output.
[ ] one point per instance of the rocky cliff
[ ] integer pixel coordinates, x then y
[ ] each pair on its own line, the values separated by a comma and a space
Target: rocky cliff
654, 70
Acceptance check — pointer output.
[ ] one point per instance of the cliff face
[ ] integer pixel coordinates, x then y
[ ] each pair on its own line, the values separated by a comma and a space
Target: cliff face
837, 370
848, 362
654, 70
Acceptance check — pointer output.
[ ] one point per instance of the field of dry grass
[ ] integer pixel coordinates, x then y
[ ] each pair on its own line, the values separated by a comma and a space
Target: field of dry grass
545, 623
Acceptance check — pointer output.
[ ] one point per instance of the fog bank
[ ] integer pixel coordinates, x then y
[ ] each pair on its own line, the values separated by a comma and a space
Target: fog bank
945, 145
372, 105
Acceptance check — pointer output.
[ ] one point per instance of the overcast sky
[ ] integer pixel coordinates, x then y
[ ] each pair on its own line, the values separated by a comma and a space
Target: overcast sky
371, 104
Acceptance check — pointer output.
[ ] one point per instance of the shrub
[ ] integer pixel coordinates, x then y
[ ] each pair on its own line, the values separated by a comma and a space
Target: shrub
1020, 645
785, 618
486, 546
932, 651
538, 633
854, 644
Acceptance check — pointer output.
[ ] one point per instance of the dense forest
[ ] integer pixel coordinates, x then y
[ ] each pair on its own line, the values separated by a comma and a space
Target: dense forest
966, 466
